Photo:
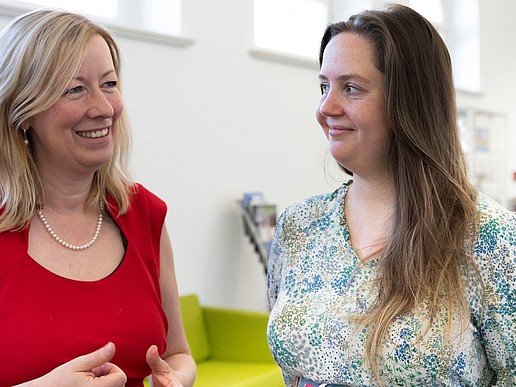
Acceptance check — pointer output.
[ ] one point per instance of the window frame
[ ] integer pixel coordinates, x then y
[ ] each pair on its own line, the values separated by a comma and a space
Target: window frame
11, 9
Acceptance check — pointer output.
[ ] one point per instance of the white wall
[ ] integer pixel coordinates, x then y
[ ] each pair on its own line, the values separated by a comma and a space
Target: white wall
210, 121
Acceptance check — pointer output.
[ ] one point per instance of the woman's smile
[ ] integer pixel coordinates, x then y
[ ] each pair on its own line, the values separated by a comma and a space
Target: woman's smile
94, 133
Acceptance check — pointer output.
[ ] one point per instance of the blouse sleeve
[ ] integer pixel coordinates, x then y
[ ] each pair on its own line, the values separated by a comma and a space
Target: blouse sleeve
497, 245
275, 264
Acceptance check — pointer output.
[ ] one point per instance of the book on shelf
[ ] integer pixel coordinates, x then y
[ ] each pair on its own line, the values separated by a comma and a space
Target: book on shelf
263, 216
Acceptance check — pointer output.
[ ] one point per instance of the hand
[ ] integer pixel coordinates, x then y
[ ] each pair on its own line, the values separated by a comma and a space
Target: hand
162, 374
91, 370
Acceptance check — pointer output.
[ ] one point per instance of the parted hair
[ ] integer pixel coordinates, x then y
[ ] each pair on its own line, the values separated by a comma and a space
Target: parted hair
435, 202
40, 54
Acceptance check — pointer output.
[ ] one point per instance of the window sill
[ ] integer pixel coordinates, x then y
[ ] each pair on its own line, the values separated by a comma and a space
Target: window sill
469, 93
284, 57
149, 36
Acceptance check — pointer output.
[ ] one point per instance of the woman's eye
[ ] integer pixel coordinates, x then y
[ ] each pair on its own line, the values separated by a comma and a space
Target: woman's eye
324, 88
111, 84
74, 91
350, 89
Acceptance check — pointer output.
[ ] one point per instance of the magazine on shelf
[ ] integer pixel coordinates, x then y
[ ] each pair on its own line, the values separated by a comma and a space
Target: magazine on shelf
263, 218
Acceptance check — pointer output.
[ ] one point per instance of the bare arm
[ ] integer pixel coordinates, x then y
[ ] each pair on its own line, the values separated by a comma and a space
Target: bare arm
177, 369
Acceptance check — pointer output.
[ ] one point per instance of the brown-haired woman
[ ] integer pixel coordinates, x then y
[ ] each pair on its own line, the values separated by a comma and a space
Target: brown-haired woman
404, 275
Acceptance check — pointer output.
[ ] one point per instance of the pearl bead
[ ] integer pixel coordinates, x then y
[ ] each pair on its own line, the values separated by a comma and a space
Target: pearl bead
69, 245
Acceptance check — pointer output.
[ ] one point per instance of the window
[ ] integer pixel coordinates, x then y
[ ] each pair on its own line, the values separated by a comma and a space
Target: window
296, 26
464, 44
458, 22
432, 10
150, 18
291, 26
104, 8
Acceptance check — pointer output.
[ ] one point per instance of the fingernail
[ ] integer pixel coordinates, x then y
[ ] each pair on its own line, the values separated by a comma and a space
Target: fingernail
109, 348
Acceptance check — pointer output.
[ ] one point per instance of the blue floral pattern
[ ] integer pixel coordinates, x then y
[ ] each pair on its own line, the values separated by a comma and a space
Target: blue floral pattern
316, 281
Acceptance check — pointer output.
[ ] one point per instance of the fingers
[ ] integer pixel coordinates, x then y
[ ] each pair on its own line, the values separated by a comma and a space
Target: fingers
92, 369
111, 376
153, 358
104, 369
96, 358
155, 362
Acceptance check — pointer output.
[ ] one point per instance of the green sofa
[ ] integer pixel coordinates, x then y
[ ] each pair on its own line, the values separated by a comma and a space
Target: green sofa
229, 346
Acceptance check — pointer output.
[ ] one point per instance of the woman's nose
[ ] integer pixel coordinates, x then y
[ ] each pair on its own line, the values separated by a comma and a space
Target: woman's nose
100, 106
331, 104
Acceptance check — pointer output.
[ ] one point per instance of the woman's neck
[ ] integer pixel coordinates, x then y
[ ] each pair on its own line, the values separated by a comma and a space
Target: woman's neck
379, 191
369, 211
64, 196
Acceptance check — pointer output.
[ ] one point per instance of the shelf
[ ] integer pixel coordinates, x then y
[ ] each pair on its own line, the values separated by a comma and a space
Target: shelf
252, 232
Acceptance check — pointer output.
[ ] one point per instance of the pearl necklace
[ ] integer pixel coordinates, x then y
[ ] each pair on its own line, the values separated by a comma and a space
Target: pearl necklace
69, 245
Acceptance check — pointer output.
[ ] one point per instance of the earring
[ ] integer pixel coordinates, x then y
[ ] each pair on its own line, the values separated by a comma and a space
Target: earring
25, 139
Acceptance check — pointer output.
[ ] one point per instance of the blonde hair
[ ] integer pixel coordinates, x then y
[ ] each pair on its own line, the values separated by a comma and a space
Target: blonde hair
40, 53
436, 212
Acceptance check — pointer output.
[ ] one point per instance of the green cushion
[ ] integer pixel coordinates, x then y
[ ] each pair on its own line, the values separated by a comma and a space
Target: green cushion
238, 374
237, 335
229, 346
195, 331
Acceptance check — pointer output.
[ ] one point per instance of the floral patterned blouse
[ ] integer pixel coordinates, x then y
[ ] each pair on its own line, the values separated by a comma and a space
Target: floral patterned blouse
315, 279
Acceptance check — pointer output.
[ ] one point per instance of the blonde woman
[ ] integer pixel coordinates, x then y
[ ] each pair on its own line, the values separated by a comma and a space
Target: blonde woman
405, 275
88, 294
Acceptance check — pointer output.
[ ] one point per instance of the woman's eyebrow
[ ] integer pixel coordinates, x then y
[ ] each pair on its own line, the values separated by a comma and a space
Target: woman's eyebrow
81, 78
346, 78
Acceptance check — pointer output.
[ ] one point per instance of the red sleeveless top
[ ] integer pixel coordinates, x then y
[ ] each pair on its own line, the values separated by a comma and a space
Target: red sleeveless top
47, 320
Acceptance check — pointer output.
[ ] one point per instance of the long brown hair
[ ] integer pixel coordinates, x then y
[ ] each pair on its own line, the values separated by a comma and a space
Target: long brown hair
435, 210
40, 53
